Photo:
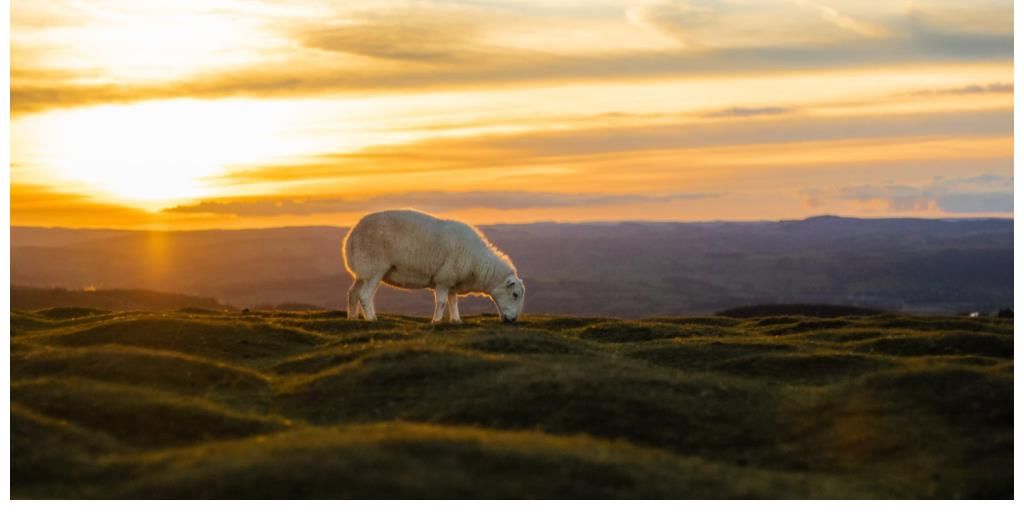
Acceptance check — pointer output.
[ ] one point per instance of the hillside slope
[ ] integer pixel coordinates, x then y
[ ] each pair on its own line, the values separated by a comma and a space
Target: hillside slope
207, 404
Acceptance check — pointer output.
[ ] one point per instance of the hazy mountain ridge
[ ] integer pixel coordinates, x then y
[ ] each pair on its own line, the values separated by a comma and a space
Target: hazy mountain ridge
629, 268
30, 298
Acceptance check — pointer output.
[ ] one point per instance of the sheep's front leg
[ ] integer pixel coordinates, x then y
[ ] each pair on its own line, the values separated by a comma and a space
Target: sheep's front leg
440, 302
453, 307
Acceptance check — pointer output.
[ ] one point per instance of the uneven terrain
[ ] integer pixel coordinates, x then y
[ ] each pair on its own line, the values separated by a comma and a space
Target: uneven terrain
213, 404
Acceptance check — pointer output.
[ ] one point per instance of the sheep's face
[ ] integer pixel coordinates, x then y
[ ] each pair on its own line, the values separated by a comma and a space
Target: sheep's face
509, 297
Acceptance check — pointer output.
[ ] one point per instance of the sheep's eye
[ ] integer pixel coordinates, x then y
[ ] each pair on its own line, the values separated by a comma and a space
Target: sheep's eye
515, 296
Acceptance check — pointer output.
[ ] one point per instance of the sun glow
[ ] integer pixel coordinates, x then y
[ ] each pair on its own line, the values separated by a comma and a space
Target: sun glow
155, 154
125, 112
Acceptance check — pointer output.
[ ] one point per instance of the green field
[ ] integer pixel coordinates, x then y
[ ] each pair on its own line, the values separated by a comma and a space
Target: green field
205, 404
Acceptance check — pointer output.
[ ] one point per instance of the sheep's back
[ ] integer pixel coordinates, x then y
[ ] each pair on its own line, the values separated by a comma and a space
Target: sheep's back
401, 238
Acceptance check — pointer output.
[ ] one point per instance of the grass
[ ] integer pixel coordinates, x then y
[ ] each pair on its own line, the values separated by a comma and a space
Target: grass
306, 404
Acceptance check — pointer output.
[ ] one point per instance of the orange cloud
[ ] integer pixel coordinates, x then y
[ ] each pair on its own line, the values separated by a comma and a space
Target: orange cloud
447, 66
39, 205
345, 106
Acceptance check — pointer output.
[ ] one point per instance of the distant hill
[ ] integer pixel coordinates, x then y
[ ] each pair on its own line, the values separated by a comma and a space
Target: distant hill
28, 298
610, 269
782, 309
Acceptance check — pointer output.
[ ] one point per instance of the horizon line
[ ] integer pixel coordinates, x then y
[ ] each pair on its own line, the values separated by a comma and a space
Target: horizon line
543, 222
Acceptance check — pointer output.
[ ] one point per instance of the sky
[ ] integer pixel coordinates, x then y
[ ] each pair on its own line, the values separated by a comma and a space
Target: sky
193, 114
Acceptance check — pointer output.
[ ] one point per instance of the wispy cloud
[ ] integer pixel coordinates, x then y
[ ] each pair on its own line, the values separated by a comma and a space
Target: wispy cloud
429, 201
682, 20
727, 133
846, 22
723, 23
991, 88
406, 43
37, 204
437, 33
749, 112
984, 194
458, 50
467, 159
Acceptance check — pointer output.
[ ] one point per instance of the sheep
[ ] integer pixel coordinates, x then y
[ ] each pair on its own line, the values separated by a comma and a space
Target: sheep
410, 249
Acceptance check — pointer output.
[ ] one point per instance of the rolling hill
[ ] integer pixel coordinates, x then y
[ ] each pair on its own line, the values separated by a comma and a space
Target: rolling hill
224, 404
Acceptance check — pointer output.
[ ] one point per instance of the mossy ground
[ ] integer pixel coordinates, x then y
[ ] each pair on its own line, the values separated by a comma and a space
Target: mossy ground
309, 405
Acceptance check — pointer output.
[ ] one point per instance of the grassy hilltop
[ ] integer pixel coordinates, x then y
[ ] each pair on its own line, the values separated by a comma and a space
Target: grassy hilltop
205, 404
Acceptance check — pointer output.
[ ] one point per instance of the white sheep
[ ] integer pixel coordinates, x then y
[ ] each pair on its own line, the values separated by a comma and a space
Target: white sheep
413, 250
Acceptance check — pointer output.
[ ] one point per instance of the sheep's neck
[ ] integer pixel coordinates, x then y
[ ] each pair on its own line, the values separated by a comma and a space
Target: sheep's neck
492, 273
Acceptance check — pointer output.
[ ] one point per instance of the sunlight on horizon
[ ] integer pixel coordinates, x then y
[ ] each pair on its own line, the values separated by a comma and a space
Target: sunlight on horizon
154, 154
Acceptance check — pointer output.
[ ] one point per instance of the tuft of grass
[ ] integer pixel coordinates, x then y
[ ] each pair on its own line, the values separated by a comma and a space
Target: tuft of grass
560, 323
52, 457
322, 359
846, 335
944, 324
951, 343
235, 341
701, 355
942, 431
336, 326
135, 366
805, 368
202, 311
627, 331
714, 321
138, 416
70, 313
383, 383
521, 342
23, 323
808, 325
384, 460
970, 398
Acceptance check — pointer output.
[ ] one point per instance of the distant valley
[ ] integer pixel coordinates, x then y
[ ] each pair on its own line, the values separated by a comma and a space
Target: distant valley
614, 269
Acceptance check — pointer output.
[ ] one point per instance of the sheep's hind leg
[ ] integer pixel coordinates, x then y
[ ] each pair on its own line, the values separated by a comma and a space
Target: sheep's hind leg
453, 307
366, 294
353, 299
440, 302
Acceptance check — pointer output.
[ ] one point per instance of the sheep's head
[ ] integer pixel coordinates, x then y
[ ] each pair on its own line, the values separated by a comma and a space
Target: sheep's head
509, 298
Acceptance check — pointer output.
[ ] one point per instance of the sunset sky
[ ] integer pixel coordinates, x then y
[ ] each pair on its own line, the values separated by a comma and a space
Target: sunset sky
225, 114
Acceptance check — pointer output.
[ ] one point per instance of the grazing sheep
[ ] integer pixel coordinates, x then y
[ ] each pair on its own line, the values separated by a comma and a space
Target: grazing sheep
412, 250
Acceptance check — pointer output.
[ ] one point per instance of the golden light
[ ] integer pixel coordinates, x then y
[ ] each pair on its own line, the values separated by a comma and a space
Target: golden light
155, 154
347, 118
140, 41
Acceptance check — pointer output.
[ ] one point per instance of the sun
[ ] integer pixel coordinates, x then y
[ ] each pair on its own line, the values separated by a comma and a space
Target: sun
155, 154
